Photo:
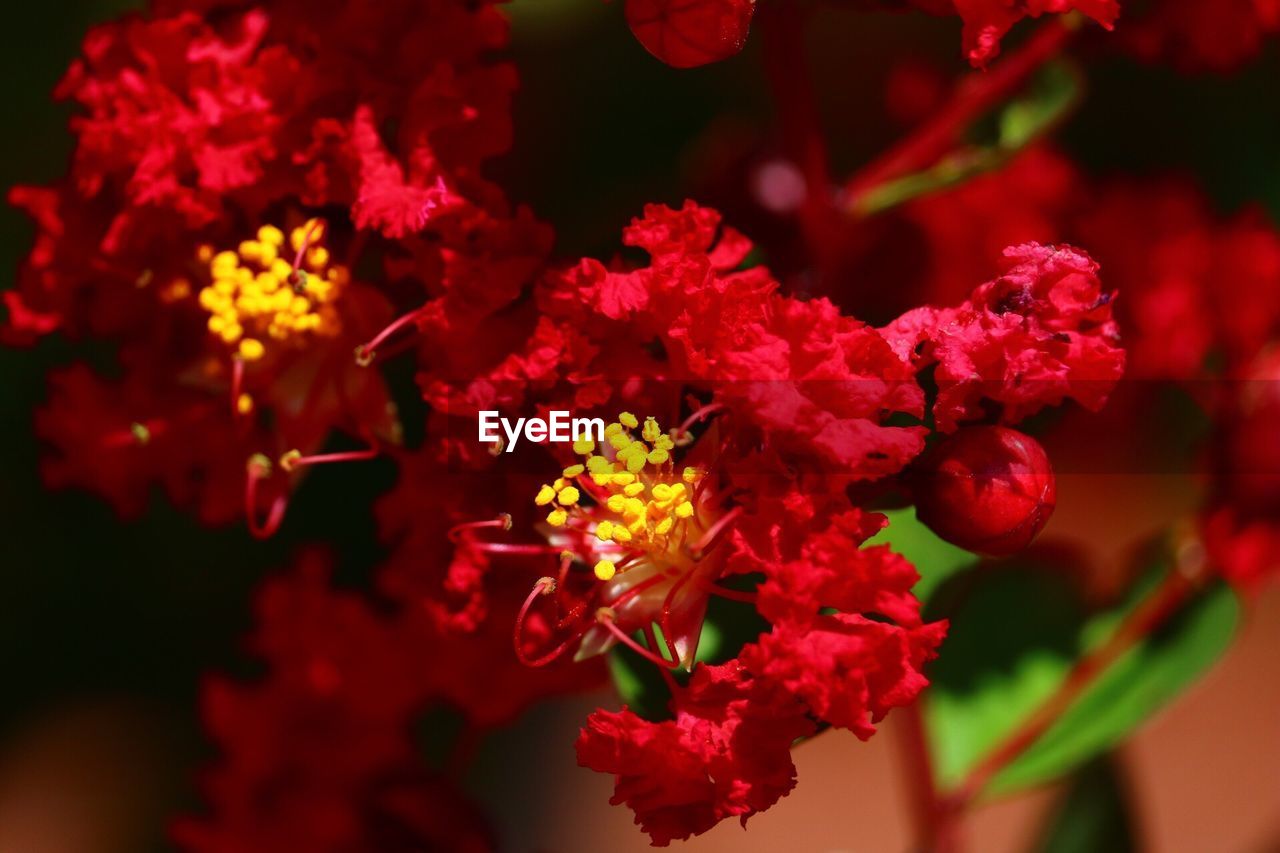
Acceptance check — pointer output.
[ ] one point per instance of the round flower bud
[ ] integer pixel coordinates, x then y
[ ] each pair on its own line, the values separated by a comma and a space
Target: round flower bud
687, 33
987, 489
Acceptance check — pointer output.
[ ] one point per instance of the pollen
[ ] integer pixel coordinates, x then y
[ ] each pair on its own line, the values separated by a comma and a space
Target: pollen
630, 494
257, 301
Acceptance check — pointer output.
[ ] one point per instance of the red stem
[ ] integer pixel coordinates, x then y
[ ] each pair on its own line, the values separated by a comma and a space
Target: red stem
975, 94
274, 516
1162, 603
621, 636
237, 383
937, 823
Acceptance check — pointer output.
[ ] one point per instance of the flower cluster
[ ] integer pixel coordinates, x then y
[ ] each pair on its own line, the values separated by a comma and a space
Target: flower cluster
185, 234
781, 405
267, 203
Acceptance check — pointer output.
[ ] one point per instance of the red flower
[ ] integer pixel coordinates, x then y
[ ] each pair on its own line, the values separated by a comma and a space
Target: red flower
849, 670
1039, 334
781, 404
317, 755
192, 126
727, 753
986, 21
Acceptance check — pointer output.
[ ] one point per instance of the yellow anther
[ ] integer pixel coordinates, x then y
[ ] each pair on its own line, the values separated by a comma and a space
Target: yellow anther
271, 235
601, 479
314, 227
568, 496
259, 465
604, 531
250, 250
651, 430
560, 483
250, 288
616, 503
624, 478
583, 446
612, 429
661, 492
621, 535
635, 508
635, 464
657, 456
289, 459
574, 470
605, 570
630, 449
628, 420
545, 496
225, 261
598, 464
140, 433
665, 442
691, 474
244, 404
619, 440
557, 517
664, 527
317, 258
251, 349
216, 324
684, 510
632, 489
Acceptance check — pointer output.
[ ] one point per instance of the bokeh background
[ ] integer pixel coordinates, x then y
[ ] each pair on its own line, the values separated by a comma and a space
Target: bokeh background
106, 628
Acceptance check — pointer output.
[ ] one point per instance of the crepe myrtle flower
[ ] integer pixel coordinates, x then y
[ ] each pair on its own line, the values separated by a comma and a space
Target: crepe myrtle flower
231, 170
788, 415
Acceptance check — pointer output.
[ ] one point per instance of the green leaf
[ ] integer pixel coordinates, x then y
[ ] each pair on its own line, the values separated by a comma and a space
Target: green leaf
1093, 816
1052, 95
1015, 634
935, 559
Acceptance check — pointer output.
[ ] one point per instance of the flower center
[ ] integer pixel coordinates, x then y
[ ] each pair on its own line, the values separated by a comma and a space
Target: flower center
256, 296
642, 510
647, 529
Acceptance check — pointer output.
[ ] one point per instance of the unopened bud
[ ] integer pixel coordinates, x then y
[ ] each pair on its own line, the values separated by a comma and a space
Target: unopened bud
987, 489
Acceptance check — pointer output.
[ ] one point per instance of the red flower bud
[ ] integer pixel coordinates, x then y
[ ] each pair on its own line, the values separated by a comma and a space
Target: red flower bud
988, 489
688, 33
